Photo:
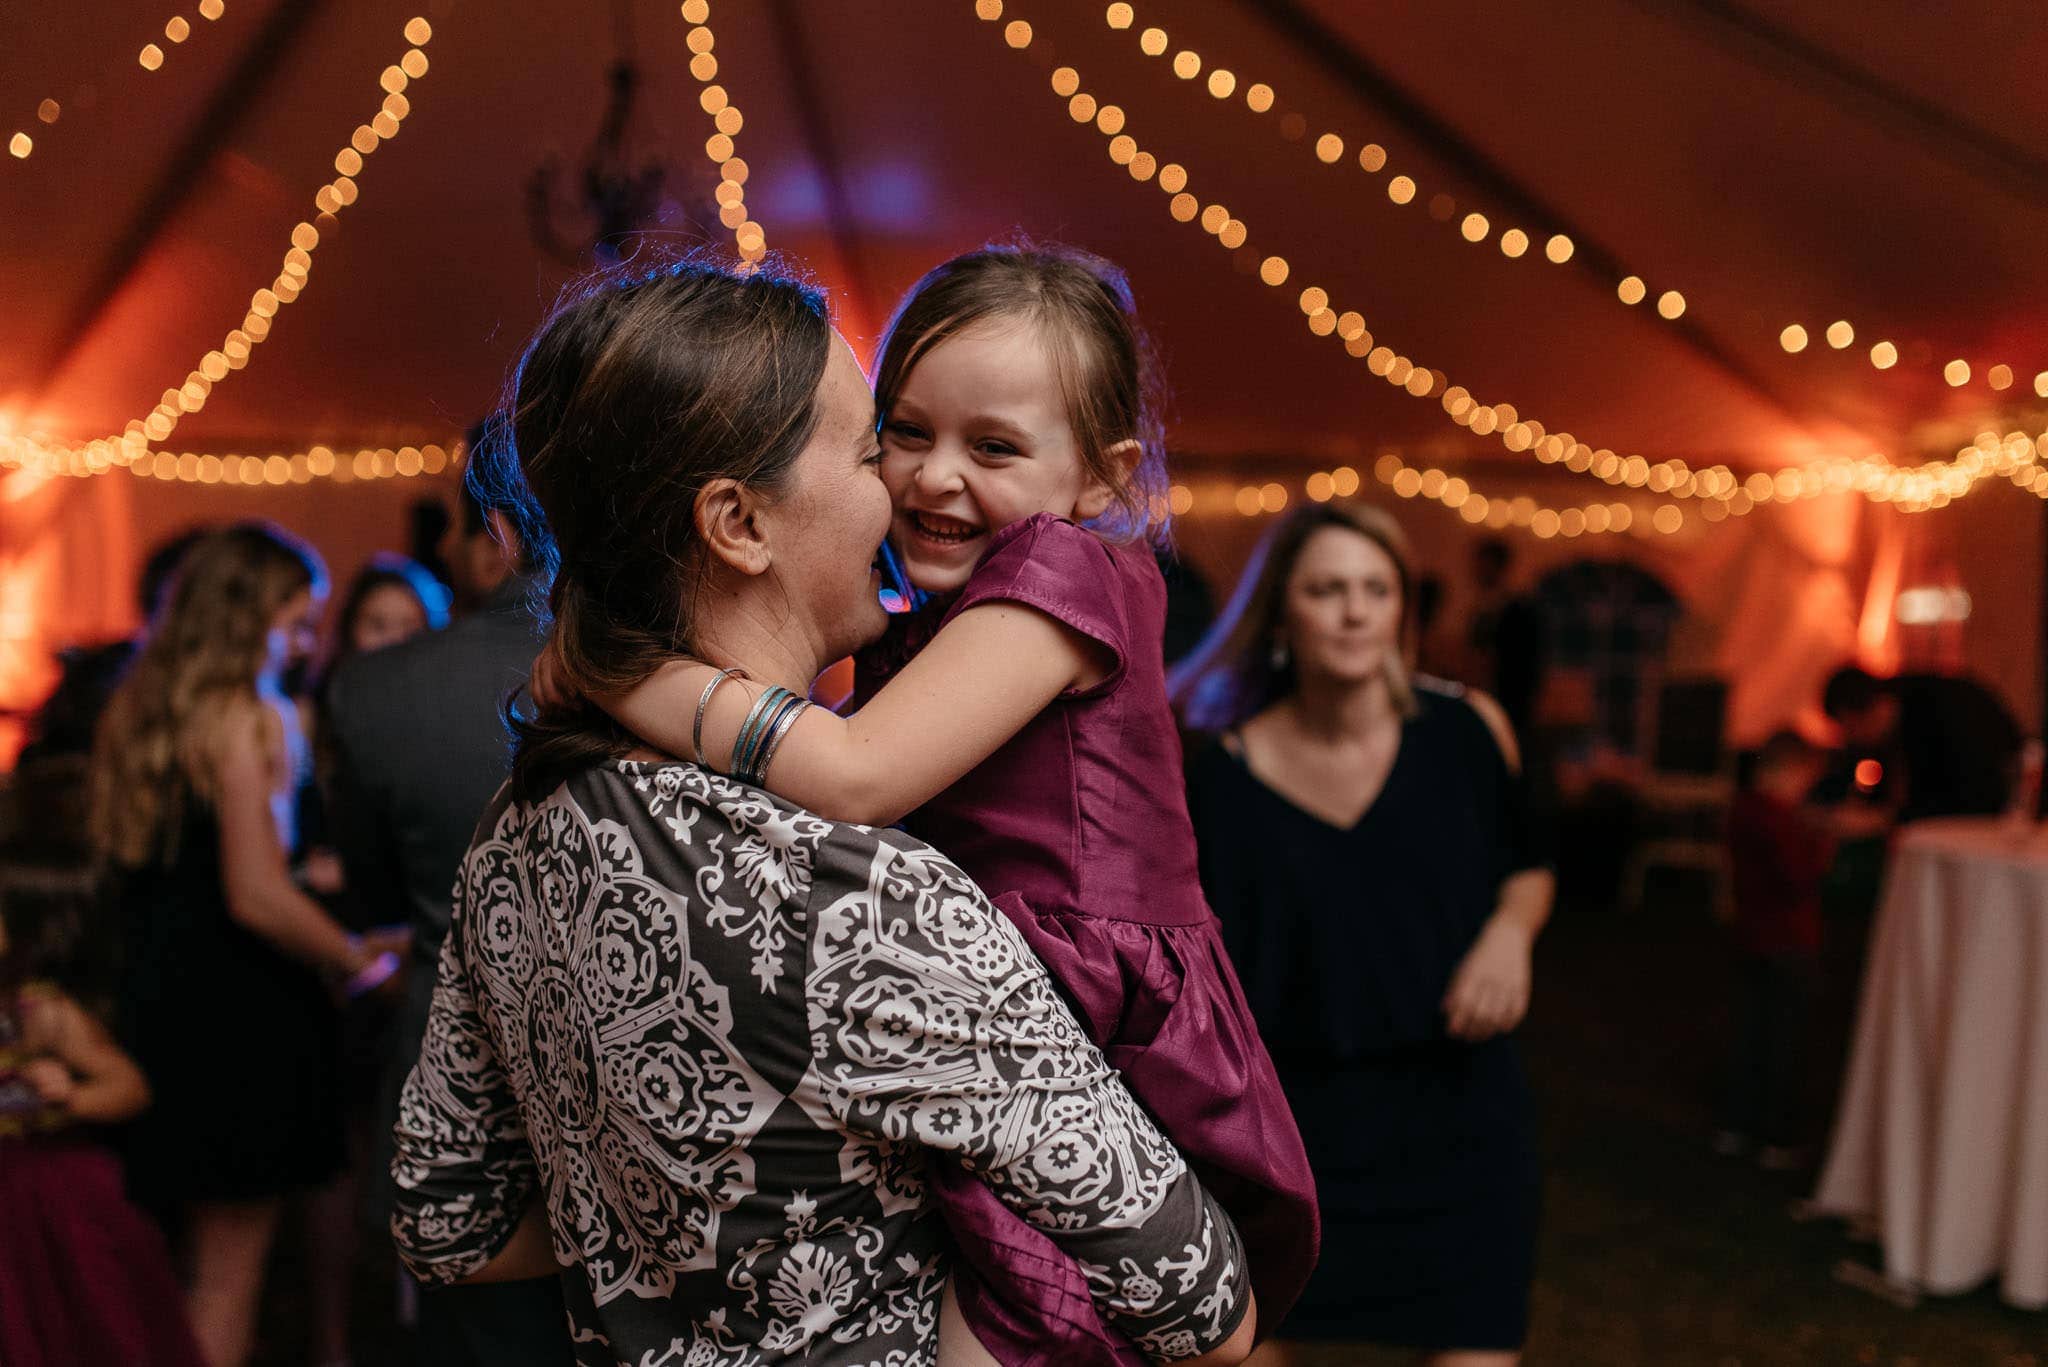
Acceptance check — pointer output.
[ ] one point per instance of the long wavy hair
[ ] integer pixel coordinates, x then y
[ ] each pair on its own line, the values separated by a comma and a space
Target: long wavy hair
645, 385
1236, 673
202, 657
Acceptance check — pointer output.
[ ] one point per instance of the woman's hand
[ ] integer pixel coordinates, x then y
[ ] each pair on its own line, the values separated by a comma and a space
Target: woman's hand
1489, 993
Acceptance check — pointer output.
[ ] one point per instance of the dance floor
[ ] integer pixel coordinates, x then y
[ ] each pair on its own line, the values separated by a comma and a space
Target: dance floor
1655, 1253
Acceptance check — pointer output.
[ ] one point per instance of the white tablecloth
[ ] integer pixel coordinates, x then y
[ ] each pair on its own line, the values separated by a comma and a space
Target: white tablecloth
1942, 1139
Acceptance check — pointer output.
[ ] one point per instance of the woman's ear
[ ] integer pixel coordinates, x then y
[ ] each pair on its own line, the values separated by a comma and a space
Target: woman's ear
728, 524
1098, 494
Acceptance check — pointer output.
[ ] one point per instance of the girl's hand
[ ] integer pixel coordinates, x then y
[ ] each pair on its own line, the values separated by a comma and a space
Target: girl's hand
51, 1081
1489, 993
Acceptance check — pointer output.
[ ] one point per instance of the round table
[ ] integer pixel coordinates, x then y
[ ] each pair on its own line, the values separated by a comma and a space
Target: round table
1942, 1138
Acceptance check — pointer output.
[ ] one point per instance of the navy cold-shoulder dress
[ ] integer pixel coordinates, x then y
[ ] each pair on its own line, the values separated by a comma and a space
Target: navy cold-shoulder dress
1423, 1146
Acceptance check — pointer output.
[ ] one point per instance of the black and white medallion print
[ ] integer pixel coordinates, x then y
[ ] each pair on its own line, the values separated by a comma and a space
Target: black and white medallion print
721, 1038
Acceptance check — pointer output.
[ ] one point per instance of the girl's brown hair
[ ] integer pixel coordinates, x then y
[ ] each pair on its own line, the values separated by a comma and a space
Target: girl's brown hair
637, 392
1236, 672
200, 661
1081, 306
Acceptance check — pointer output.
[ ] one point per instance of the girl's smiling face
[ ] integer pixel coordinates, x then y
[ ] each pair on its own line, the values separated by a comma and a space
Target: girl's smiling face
979, 438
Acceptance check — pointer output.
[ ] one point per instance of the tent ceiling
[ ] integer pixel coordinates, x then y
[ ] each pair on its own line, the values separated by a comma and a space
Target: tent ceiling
1886, 163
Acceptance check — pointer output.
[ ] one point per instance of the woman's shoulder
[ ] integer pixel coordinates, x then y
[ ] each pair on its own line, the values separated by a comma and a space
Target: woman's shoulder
1466, 716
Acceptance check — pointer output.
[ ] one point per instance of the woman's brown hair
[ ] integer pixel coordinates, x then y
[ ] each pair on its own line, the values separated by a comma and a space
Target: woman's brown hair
1236, 673
1082, 308
200, 660
637, 392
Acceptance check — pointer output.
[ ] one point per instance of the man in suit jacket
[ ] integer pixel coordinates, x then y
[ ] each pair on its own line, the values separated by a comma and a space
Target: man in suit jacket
421, 746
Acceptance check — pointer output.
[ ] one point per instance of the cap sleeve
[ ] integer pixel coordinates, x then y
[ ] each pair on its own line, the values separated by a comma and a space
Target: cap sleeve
1063, 570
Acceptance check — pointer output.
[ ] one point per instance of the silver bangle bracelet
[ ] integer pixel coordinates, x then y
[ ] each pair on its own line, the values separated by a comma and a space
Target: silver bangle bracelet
703, 702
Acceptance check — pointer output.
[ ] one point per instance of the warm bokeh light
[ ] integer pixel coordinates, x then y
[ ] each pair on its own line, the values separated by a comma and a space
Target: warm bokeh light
1631, 290
1259, 98
1401, 189
151, 57
1840, 334
1793, 338
1475, 228
1884, 355
21, 144
1187, 64
1956, 372
1513, 243
1222, 84
1559, 249
1670, 304
1273, 270
48, 111
1120, 16
1999, 376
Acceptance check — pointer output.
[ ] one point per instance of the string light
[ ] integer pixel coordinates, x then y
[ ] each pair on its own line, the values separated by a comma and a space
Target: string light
747, 234
234, 352
340, 466
1721, 493
151, 58
191, 394
1514, 241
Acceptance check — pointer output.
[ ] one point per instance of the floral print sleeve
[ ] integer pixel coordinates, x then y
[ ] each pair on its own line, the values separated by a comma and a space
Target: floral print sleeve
933, 1026
464, 1169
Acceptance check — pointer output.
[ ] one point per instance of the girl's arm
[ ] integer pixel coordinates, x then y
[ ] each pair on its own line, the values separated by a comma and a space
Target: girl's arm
94, 1080
985, 674
256, 878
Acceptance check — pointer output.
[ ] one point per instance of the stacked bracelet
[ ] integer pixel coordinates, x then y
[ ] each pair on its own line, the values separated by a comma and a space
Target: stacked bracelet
704, 701
768, 721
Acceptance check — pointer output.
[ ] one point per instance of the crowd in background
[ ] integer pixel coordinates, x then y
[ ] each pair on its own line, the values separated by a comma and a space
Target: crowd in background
279, 796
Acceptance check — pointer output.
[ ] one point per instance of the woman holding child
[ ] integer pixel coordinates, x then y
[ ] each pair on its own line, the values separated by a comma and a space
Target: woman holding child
736, 1064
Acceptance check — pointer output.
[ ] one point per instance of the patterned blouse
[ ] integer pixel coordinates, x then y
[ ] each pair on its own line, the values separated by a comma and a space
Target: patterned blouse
722, 1038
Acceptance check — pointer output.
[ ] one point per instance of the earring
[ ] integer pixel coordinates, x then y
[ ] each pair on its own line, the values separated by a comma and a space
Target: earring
1279, 656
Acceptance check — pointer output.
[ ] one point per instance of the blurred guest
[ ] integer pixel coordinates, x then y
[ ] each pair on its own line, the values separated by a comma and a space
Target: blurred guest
426, 528
1946, 745
1364, 841
196, 778
1778, 856
421, 745
84, 1276
1506, 634
391, 599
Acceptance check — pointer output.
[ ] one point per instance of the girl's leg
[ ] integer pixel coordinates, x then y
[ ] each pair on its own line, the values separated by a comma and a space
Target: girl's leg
230, 1246
1468, 1357
1273, 1353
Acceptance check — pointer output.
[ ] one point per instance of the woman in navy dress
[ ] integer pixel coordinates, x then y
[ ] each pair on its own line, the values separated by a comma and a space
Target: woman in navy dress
1363, 839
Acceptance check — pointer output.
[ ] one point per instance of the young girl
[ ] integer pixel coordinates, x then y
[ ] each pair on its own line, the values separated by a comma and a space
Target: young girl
83, 1275
1020, 724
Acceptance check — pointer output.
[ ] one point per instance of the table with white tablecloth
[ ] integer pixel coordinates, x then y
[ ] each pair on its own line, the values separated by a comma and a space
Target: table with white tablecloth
1941, 1143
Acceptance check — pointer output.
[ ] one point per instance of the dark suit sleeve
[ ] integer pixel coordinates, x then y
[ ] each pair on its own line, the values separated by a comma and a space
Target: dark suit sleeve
359, 815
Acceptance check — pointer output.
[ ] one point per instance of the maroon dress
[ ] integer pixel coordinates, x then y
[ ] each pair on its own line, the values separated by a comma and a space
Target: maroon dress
84, 1277
1078, 830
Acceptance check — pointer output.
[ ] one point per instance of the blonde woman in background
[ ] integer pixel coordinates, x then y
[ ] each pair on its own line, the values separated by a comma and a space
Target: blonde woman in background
1364, 842
230, 967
